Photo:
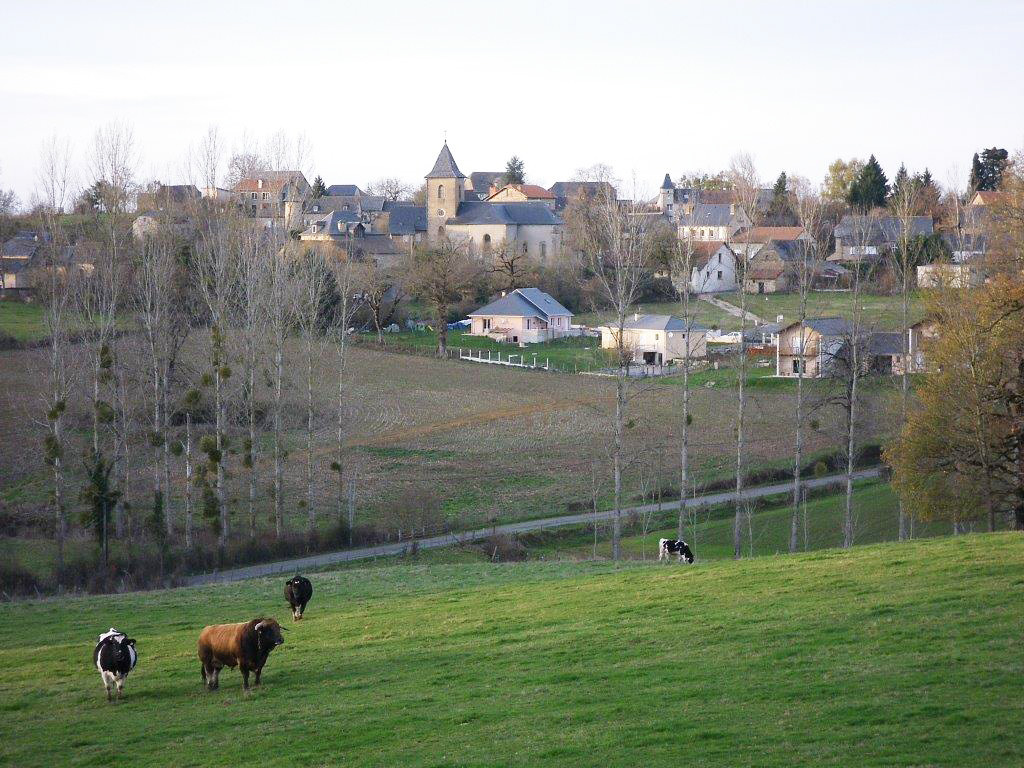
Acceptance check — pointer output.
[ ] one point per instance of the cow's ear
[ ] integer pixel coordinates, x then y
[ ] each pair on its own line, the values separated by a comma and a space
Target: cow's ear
129, 641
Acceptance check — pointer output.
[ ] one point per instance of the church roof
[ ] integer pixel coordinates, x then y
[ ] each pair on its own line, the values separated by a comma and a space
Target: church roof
479, 212
445, 167
667, 183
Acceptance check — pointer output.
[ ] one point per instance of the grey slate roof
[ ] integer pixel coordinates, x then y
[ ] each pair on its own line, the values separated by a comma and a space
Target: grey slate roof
708, 215
329, 203
480, 212
879, 231
788, 250
344, 189
667, 183
21, 246
523, 302
563, 190
444, 166
334, 223
660, 323
828, 326
407, 220
886, 343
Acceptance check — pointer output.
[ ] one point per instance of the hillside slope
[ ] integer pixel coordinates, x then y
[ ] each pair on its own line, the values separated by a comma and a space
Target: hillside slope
894, 654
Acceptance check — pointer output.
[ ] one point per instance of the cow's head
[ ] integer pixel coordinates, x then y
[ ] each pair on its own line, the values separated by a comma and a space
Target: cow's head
269, 633
120, 645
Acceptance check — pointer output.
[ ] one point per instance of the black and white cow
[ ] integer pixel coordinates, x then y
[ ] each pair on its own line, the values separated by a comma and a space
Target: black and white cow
114, 657
668, 547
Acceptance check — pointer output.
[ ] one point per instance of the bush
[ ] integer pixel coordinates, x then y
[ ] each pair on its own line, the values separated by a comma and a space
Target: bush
17, 581
503, 548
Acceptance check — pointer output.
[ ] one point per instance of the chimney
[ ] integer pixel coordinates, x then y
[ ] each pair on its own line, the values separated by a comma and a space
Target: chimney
259, 183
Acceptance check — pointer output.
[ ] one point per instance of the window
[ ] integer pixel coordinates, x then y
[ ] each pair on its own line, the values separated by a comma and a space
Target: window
252, 195
528, 321
487, 323
719, 258
440, 191
657, 337
266, 195
487, 243
316, 209
719, 274
543, 249
526, 247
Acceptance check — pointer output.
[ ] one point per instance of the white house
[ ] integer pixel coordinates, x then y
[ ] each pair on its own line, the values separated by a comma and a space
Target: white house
714, 268
657, 339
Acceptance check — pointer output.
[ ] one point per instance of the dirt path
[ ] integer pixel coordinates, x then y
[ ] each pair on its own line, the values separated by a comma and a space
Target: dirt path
732, 309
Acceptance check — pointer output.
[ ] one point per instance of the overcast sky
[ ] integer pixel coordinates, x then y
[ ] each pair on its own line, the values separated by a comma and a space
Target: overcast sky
646, 87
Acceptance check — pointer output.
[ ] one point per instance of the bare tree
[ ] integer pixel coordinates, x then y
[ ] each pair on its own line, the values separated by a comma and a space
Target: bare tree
904, 205
379, 290
311, 300
612, 238
510, 266
390, 188
54, 184
746, 187
809, 211
280, 322
345, 282
249, 307
439, 275
215, 276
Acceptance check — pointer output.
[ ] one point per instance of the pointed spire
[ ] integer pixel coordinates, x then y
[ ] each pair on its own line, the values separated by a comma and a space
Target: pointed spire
444, 166
667, 183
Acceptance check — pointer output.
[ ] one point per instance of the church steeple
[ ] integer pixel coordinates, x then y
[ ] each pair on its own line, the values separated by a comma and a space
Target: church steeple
445, 188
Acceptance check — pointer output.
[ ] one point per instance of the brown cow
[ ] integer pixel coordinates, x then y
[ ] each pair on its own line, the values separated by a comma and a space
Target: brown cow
244, 645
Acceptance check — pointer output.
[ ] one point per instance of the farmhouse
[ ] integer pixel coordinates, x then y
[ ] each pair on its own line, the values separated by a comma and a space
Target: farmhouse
525, 315
811, 346
522, 193
657, 339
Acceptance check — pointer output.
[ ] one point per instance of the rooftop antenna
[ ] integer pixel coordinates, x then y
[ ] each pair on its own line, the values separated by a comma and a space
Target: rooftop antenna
445, 135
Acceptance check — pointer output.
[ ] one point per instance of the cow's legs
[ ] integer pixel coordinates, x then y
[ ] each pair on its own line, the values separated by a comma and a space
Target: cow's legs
259, 671
106, 685
245, 678
213, 678
120, 685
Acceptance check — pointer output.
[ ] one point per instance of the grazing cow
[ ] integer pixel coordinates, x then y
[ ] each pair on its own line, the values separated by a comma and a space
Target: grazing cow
297, 592
668, 547
114, 657
245, 645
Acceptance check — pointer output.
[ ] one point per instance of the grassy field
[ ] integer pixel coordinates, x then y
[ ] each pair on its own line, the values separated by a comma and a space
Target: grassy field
767, 534
22, 321
886, 655
582, 352
883, 312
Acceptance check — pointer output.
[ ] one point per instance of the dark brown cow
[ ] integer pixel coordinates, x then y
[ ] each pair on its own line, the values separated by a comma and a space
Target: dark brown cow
244, 645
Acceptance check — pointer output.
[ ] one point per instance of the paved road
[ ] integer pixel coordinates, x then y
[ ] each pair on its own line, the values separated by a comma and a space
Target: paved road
732, 309
450, 539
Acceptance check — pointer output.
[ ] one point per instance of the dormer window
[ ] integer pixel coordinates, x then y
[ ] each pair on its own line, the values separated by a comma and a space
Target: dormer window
316, 209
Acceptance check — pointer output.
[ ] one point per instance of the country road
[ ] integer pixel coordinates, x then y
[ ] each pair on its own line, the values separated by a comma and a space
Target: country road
450, 539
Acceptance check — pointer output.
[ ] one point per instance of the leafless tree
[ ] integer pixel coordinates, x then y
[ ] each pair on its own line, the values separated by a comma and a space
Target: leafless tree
510, 266
249, 307
280, 322
904, 205
390, 188
612, 238
311, 298
808, 208
379, 290
346, 285
54, 184
439, 275
746, 186
215, 276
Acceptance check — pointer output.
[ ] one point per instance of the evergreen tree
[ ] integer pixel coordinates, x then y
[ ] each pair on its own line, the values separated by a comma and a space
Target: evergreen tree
319, 190
779, 212
515, 172
99, 497
987, 170
871, 187
900, 182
